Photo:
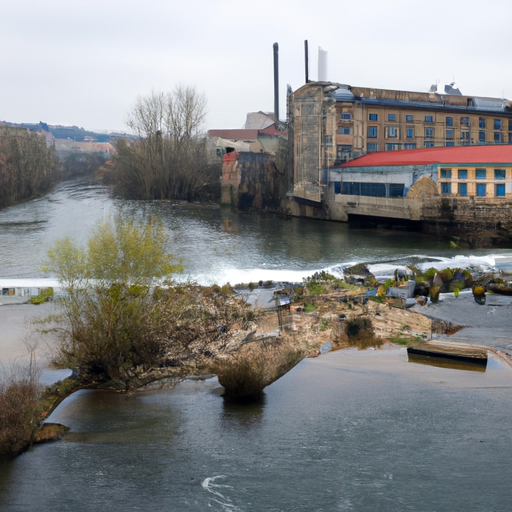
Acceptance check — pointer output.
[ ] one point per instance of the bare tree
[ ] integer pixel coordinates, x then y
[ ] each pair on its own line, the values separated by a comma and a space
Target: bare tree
170, 158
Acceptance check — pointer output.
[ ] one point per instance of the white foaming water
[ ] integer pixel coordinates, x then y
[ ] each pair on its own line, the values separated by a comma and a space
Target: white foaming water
223, 501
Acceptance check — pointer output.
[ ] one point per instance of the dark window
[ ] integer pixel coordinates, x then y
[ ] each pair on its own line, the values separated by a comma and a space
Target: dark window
393, 146
372, 146
480, 174
346, 116
328, 140
497, 138
429, 119
410, 145
337, 187
464, 138
449, 121
464, 121
510, 124
480, 189
463, 189
446, 173
391, 117
481, 137
449, 134
372, 132
429, 143
500, 190
410, 133
373, 117
497, 124
450, 143
499, 174
344, 130
396, 190
446, 188
481, 122
429, 133
462, 174
364, 189
409, 119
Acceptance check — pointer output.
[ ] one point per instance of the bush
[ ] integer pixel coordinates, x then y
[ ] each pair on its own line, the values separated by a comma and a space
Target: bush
360, 333
20, 408
44, 296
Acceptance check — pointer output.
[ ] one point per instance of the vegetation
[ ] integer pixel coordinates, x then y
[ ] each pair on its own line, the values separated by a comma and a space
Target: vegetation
124, 316
170, 159
20, 408
27, 166
43, 296
360, 333
247, 372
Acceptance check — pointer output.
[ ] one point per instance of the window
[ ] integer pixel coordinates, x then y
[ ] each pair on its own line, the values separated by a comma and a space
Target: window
446, 173
450, 143
480, 174
409, 133
429, 144
510, 137
497, 138
464, 138
481, 137
449, 121
337, 187
462, 174
409, 119
345, 130
372, 146
429, 119
410, 145
373, 117
480, 190
463, 189
396, 190
449, 134
464, 121
429, 133
346, 116
481, 122
328, 140
391, 132
372, 132
393, 146
510, 124
497, 124
499, 174
364, 189
446, 188
391, 117
500, 190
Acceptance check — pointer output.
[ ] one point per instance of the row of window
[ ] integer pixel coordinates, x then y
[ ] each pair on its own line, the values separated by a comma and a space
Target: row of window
481, 189
498, 124
480, 174
392, 132
354, 188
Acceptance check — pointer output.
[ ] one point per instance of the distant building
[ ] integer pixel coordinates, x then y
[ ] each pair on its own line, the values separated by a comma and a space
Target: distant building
334, 123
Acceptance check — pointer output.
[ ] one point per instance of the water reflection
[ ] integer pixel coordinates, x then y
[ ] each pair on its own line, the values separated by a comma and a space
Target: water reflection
446, 363
244, 413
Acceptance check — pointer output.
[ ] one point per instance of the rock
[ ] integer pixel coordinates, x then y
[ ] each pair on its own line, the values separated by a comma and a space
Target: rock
325, 347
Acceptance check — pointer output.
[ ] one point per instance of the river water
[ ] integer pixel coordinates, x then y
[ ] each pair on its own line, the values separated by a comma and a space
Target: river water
349, 431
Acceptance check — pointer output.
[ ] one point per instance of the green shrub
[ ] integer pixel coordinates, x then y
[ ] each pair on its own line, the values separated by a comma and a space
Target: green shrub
44, 295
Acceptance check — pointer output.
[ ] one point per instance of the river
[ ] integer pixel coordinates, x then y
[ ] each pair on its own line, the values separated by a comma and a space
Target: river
348, 431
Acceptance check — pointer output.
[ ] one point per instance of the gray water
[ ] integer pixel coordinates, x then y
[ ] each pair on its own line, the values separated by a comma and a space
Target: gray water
349, 431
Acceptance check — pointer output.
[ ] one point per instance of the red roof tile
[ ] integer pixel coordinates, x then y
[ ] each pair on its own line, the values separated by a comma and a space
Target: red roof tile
461, 154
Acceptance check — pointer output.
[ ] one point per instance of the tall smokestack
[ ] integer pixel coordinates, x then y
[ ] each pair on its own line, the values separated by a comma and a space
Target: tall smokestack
322, 65
276, 81
307, 59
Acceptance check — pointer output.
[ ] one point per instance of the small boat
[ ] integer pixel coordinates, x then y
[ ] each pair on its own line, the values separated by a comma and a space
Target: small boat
451, 352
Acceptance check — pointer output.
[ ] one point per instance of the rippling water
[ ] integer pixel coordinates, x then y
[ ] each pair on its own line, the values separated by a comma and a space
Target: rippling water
217, 245
349, 431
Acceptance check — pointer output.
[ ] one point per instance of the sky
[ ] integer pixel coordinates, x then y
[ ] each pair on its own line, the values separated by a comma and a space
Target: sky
85, 63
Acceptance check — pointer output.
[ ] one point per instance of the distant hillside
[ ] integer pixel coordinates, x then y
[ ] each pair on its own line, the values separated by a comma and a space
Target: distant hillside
69, 132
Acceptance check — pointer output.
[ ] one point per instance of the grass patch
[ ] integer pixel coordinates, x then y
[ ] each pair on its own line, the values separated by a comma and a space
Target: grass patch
44, 296
309, 308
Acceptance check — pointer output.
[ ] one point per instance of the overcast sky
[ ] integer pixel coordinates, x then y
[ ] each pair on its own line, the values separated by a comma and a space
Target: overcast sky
85, 63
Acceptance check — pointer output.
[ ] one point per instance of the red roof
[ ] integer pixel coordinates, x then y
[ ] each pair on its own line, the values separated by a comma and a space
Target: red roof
484, 154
